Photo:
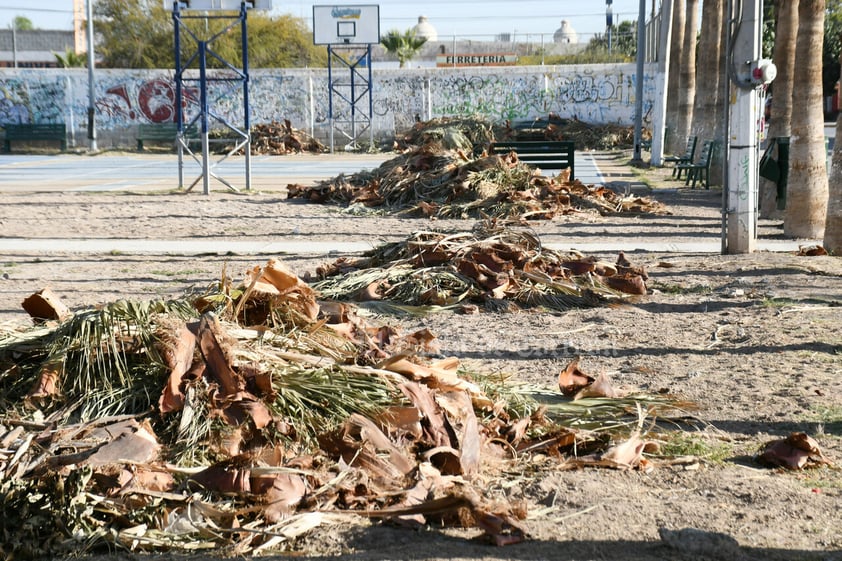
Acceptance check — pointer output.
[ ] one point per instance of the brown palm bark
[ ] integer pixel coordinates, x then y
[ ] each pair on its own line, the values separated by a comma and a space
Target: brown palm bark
709, 103
807, 188
833, 220
786, 28
687, 92
673, 143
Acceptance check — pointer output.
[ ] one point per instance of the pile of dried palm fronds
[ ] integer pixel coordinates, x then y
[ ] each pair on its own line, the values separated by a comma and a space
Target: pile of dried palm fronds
448, 183
586, 136
247, 416
481, 132
453, 133
271, 139
491, 266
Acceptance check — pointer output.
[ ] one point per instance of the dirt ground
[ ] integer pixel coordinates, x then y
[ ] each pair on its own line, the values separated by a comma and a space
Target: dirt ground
754, 340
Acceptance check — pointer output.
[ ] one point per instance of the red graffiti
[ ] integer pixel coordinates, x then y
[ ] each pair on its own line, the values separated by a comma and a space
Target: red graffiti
122, 92
156, 99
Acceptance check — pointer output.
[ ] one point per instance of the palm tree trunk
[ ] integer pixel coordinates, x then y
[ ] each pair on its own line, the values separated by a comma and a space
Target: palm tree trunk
807, 190
833, 220
674, 143
687, 93
786, 27
709, 105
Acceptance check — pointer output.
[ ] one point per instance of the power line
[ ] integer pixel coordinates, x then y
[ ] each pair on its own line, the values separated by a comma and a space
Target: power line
28, 9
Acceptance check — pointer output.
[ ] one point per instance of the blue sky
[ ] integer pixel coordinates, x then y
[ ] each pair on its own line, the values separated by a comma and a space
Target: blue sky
464, 18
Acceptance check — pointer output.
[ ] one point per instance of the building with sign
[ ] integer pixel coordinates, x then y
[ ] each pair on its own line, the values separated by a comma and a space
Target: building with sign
501, 49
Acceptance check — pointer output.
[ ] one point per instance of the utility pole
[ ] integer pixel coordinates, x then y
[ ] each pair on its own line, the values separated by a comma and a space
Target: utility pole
609, 21
15, 43
637, 159
91, 83
746, 72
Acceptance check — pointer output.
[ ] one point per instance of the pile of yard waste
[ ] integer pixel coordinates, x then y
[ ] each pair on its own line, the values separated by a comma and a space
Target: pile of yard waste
271, 139
585, 136
481, 132
244, 416
450, 173
494, 266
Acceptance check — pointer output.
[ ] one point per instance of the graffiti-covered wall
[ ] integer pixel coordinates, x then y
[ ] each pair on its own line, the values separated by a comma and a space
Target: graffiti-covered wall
598, 94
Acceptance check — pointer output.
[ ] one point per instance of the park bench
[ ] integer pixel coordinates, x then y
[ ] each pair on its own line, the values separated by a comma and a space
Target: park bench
545, 154
162, 133
688, 157
700, 170
34, 132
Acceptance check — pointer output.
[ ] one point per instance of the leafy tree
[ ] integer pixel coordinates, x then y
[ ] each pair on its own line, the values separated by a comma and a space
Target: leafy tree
133, 34
274, 42
768, 30
623, 41
405, 46
139, 34
71, 60
22, 23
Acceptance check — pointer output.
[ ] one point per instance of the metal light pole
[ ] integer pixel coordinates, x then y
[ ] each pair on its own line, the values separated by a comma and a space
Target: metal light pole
609, 21
638, 90
15, 43
91, 83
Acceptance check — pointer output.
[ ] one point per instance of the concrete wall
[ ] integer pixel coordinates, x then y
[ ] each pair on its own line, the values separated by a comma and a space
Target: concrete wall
598, 94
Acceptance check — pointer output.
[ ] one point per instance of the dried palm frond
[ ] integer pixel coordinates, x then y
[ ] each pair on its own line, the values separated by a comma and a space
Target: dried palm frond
253, 419
601, 414
317, 400
476, 129
439, 269
98, 357
446, 171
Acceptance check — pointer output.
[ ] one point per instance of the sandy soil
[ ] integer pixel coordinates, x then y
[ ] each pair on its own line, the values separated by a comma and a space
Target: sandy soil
753, 340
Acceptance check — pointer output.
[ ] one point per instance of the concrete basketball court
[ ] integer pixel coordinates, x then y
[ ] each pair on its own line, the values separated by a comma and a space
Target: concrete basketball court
159, 172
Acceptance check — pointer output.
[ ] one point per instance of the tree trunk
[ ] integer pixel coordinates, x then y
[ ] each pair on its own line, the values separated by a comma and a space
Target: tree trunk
687, 92
833, 221
807, 190
709, 105
786, 27
673, 143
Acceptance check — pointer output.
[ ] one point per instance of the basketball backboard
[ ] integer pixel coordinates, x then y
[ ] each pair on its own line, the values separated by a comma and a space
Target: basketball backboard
346, 25
212, 5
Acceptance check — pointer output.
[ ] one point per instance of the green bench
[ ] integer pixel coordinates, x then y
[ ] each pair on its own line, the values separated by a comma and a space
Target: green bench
700, 170
545, 154
34, 132
162, 133
681, 160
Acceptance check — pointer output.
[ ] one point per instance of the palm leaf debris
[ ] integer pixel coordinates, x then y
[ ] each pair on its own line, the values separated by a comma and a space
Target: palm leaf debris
251, 414
493, 266
450, 174
463, 133
480, 132
270, 139
429, 181
586, 136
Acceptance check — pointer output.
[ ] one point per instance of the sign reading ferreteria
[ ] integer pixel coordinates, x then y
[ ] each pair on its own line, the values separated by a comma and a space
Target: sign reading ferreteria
496, 59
